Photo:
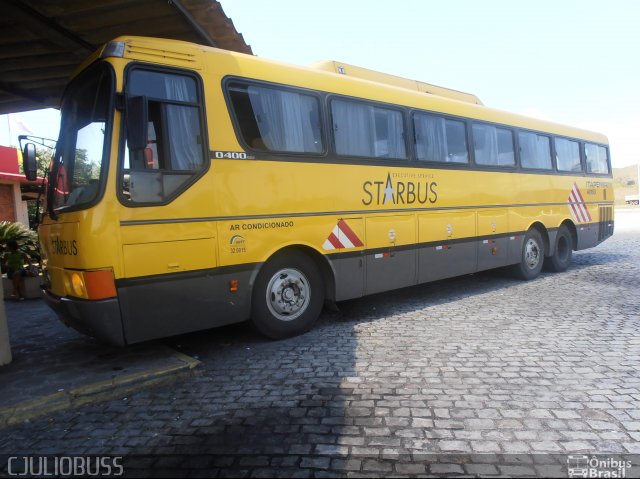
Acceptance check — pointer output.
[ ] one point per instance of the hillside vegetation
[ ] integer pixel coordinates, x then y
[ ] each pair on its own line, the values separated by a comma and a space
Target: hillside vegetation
625, 182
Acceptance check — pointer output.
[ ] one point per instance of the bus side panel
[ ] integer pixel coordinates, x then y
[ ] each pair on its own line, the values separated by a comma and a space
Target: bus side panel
587, 235
594, 233
514, 248
493, 242
155, 307
349, 277
349, 268
448, 244
392, 262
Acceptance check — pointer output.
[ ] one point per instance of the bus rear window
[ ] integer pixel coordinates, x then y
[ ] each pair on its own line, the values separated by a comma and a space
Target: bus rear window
596, 159
275, 119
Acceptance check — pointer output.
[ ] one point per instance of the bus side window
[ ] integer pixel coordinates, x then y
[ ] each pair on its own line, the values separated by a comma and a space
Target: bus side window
175, 151
366, 130
429, 137
440, 139
152, 154
535, 151
568, 155
506, 151
596, 159
274, 119
457, 151
493, 146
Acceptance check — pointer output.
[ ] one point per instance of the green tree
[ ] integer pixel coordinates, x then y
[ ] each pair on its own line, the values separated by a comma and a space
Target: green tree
27, 239
84, 170
44, 156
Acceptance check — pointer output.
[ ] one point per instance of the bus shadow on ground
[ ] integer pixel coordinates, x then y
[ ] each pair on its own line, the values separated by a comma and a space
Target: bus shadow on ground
208, 343
317, 402
320, 403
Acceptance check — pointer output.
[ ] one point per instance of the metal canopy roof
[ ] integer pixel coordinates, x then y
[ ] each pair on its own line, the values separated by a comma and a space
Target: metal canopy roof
43, 41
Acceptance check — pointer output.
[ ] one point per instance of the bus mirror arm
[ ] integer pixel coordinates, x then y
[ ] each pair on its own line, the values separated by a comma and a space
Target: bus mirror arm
137, 120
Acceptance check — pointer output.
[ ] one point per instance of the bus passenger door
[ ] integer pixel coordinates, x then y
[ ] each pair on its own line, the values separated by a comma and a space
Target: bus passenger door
168, 285
447, 244
391, 256
493, 242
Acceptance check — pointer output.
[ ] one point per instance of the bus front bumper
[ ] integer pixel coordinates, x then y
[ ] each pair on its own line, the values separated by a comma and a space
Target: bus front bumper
99, 319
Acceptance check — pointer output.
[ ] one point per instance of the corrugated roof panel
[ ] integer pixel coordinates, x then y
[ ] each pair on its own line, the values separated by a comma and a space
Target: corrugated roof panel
42, 42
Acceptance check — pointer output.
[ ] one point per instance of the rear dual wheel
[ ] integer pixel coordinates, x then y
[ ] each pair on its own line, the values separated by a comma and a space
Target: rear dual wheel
563, 252
288, 296
532, 256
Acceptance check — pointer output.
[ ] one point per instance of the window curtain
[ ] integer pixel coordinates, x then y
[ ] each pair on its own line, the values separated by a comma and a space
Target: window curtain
506, 155
567, 155
603, 166
543, 152
354, 128
535, 151
485, 143
455, 132
392, 144
596, 158
183, 127
430, 138
285, 120
528, 150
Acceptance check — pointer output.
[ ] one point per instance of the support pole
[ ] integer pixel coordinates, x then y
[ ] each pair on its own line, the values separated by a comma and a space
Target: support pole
5, 347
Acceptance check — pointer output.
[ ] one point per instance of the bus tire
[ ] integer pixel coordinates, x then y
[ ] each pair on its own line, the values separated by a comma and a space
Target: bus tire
532, 256
288, 296
561, 258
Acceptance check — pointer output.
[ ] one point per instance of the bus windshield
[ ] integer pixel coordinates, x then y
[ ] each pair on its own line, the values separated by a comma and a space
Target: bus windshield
79, 170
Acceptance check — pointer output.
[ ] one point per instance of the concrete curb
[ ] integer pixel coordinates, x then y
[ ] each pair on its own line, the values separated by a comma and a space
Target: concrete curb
99, 391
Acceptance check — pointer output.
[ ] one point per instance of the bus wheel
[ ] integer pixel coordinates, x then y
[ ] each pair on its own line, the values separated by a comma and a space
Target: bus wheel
561, 258
287, 297
532, 257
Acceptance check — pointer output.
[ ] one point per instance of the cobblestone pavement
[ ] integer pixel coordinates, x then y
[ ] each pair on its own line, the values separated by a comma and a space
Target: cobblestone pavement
480, 364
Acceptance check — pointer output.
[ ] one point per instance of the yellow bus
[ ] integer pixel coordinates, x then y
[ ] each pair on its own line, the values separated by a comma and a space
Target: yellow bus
194, 187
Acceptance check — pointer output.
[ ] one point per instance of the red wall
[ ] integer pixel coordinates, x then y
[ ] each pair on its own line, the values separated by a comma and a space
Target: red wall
9, 160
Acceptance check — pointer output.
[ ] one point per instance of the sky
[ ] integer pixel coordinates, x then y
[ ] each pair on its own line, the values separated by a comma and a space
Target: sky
572, 62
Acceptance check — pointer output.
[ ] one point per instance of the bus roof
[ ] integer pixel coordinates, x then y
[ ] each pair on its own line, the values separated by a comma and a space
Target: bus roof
358, 82
388, 79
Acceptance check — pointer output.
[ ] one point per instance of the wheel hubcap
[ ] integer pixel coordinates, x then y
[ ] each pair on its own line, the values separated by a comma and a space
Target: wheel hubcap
532, 253
288, 294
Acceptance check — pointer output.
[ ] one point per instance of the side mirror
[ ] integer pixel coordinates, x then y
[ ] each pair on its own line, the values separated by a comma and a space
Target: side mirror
29, 162
137, 114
